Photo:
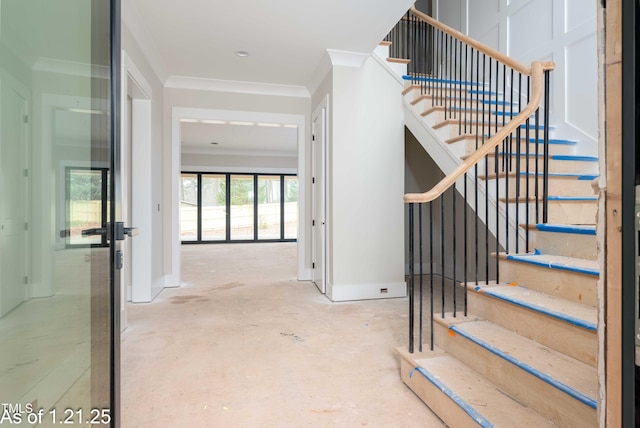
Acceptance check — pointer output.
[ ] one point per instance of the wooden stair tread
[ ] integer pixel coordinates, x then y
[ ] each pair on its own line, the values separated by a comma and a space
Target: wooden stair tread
584, 266
559, 370
477, 392
399, 60
575, 313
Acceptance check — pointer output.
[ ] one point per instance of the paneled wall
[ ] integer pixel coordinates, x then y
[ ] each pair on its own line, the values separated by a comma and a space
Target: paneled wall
562, 31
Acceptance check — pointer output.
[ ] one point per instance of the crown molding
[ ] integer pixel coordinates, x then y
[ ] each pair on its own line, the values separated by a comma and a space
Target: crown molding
235, 86
347, 58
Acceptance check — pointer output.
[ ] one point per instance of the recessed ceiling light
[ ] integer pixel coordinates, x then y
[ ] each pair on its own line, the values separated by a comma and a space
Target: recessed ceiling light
242, 123
271, 125
290, 126
242, 54
215, 122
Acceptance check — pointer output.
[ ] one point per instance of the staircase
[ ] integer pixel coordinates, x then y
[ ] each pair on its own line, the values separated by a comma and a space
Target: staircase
523, 352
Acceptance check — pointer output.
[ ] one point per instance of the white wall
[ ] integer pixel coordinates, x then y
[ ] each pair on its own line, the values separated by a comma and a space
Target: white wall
366, 169
562, 31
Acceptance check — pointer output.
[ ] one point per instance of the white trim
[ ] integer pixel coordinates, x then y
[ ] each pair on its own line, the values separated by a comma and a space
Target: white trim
229, 152
238, 87
172, 209
346, 58
71, 68
132, 71
213, 169
366, 291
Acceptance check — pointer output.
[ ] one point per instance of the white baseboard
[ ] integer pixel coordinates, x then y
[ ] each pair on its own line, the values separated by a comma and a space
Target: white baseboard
304, 275
346, 292
171, 281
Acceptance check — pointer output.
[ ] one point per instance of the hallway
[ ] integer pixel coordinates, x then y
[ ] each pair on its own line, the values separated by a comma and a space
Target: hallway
244, 344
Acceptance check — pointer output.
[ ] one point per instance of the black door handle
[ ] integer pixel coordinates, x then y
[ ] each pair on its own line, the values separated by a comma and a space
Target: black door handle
94, 231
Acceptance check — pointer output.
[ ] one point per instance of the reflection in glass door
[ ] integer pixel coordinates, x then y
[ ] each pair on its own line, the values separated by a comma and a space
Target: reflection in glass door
87, 206
58, 327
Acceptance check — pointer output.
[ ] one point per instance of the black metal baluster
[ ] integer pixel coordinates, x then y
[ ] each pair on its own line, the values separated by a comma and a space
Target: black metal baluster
518, 155
411, 278
453, 251
537, 158
466, 242
528, 174
431, 270
486, 170
442, 253
420, 259
545, 184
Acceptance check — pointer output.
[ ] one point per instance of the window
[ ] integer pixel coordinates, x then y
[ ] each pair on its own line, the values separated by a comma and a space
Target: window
238, 207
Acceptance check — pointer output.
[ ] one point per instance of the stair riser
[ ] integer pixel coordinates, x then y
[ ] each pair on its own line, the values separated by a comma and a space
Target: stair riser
563, 409
569, 339
565, 244
557, 186
398, 68
452, 130
489, 118
555, 165
469, 145
437, 401
579, 212
570, 285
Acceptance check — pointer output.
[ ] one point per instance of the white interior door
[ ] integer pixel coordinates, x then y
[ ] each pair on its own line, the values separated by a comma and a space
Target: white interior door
318, 211
13, 220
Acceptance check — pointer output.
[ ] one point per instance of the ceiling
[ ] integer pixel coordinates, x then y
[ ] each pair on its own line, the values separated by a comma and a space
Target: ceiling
287, 42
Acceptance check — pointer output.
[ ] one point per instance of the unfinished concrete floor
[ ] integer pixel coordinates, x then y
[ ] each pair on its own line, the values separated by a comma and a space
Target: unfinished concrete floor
244, 344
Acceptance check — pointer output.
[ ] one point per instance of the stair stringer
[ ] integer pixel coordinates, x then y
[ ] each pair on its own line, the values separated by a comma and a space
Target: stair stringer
447, 161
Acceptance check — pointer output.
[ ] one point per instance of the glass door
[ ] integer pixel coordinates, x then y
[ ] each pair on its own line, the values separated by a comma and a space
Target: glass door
59, 332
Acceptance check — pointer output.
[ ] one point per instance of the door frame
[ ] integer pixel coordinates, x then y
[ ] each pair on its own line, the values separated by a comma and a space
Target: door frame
173, 257
143, 288
319, 223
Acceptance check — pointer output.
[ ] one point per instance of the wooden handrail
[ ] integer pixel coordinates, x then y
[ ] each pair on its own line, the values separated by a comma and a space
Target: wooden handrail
497, 55
537, 86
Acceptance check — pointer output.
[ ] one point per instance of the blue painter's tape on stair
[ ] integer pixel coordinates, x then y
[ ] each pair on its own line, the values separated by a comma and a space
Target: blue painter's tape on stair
540, 309
575, 158
527, 258
554, 141
573, 198
480, 92
527, 368
466, 407
566, 228
568, 175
